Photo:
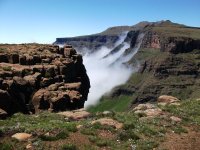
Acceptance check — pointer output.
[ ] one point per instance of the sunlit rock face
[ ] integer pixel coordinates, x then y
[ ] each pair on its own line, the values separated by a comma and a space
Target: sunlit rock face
35, 77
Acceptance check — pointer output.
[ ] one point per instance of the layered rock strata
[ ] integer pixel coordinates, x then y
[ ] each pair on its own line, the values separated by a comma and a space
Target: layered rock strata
36, 77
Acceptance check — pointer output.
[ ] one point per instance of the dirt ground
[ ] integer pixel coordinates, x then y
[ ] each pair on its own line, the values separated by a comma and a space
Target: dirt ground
183, 141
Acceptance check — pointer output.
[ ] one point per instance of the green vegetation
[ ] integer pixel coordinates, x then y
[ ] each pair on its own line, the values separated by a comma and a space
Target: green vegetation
45, 121
47, 75
172, 31
2, 50
60, 135
137, 133
188, 111
145, 54
118, 104
6, 146
99, 141
69, 147
7, 68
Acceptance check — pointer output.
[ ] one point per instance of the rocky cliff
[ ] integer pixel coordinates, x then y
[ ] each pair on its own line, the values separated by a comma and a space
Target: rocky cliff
36, 77
107, 38
169, 63
89, 43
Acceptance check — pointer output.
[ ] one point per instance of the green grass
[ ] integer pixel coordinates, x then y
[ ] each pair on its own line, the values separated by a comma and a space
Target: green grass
146, 53
178, 32
99, 141
69, 147
6, 146
3, 50
60, 135
188, 111
29, 123
118, 104
140, 134
146, 145
7, 68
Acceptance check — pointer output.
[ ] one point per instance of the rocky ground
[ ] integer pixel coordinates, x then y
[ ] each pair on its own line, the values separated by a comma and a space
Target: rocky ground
166, 124
35, 77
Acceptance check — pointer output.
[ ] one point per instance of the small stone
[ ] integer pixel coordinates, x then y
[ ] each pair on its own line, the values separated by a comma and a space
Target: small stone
21, 136
175, 119
29, 147
175, 104
162, 104
107, 113
79, 126
47, 134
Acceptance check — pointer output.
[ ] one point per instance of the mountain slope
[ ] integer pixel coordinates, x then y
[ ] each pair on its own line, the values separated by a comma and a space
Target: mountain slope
166, 55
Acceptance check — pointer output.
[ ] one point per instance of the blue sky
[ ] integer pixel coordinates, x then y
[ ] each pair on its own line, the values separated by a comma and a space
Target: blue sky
23, 21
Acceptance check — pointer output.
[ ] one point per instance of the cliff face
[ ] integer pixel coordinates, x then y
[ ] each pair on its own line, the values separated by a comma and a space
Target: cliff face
107, 38
168, 58
170, 44
169, 63
90, 43
36, 77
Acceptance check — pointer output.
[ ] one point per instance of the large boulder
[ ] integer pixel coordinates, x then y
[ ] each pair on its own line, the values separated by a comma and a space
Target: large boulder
167, 99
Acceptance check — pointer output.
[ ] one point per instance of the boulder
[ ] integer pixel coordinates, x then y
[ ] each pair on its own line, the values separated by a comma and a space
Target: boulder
73, 86
167, 99
69, 52
150, 110
48, 99
108, 122
40, 100
144, 106
34, 80
76, 115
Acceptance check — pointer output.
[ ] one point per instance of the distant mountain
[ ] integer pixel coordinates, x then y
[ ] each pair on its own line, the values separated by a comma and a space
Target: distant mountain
167, 53
106, 38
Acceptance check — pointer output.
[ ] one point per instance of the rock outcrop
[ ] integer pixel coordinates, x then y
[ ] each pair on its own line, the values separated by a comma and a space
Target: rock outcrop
36, 77
170, 44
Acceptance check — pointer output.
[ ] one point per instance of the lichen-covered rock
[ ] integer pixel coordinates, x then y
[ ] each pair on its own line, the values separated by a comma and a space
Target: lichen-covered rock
35, 77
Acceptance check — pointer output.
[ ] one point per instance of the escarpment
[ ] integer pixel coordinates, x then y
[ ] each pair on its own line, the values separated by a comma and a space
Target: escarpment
35, 77
169, 63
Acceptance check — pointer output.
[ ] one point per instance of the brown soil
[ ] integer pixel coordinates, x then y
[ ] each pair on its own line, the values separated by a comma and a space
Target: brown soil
184, 141
77, 139
106, 134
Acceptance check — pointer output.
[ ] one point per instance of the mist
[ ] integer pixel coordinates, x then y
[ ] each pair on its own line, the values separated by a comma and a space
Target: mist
105, 73
103, 77
107, 70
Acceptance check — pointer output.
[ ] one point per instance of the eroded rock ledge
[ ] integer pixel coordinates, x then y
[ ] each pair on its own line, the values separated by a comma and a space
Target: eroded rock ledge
36, 77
